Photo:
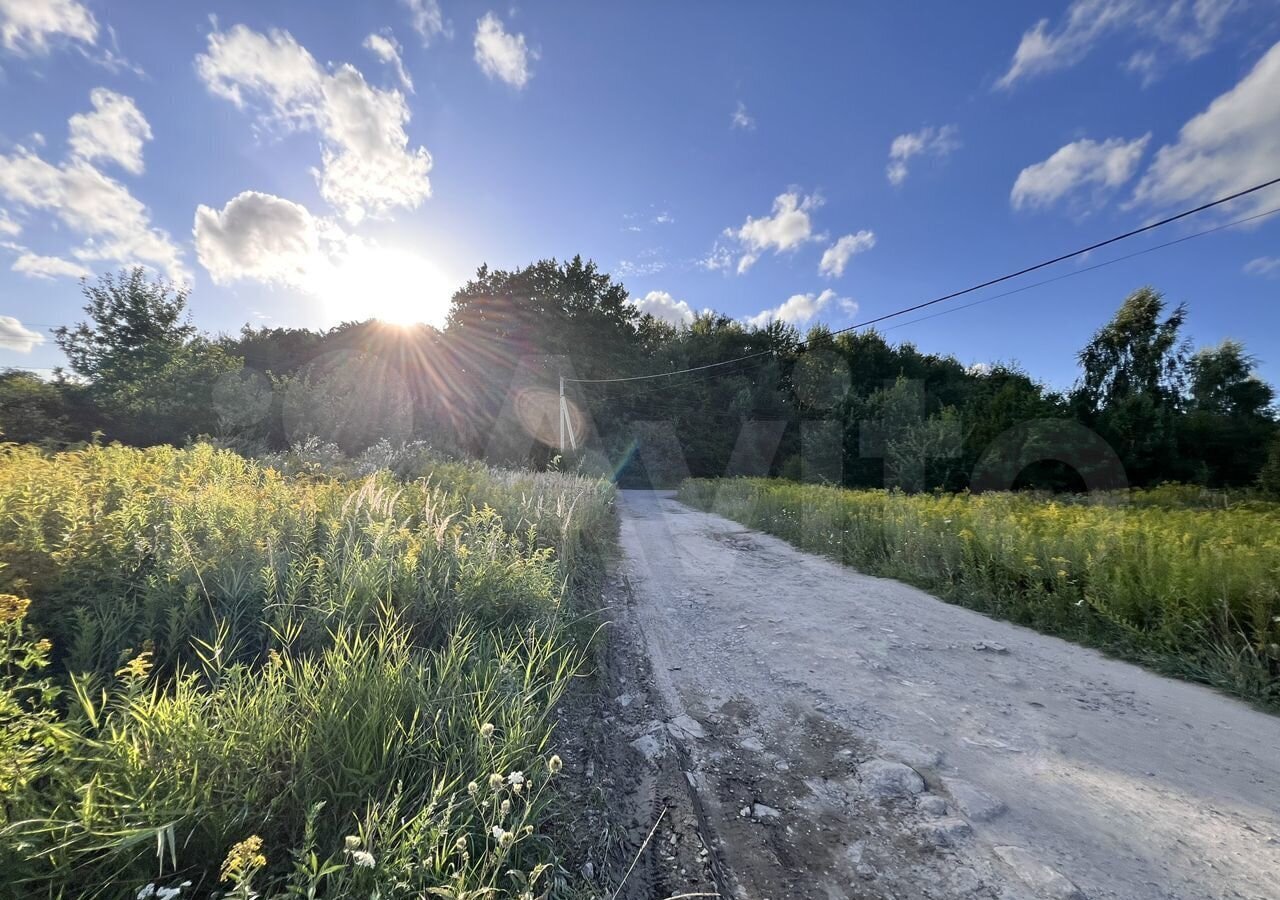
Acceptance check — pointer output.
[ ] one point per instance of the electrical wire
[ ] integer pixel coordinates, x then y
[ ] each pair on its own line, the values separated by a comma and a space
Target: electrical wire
969, 290
1096, 266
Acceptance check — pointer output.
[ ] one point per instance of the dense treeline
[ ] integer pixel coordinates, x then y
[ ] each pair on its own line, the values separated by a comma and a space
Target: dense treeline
847, 408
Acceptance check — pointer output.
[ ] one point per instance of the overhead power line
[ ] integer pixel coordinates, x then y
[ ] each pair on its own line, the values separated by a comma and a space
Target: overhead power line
1064, 257
1168, 220
1101, 265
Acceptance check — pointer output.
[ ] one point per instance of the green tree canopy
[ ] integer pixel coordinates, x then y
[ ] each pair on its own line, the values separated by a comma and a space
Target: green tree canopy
145, 366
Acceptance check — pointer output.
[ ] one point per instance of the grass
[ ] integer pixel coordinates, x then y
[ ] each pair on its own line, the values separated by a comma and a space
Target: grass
1167, 577
228, 681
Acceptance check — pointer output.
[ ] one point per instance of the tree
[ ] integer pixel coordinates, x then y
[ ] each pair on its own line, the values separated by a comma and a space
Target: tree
1131, 389
1269, 477
352, 401
145, 367
1228, 423
1135, 354
505, 324
32, 410
1223, 382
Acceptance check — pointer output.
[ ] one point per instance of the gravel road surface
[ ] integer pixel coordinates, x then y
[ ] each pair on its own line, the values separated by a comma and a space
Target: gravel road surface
850, 736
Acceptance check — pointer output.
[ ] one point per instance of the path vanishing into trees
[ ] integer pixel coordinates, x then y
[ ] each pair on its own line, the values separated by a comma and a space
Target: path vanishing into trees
850, 736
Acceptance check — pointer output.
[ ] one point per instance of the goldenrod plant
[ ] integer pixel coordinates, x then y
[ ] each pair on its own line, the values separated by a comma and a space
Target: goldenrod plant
232, 682
1180, 578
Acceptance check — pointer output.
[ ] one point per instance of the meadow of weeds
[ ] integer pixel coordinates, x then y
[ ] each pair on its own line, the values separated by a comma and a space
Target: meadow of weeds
1170, 577
218, 679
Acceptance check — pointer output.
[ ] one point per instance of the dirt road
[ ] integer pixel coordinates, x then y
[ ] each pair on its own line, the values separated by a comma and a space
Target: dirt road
849, 736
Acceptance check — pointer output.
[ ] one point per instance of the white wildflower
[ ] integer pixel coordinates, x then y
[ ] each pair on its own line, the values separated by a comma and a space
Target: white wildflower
363, 858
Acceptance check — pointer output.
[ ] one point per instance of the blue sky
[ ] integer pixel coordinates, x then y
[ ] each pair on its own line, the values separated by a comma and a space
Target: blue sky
305, 163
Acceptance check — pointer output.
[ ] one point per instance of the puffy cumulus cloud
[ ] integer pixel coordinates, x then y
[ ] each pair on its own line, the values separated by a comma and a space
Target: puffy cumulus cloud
16, 336
387, 49
502, 55
241, 63
367, 165
266, 239
33, 26
1263, 265
115, 225
786, 228
259, 237
427, 19
115, 131
1229, 146
801, 309
741, 118
36, 266
664, 307
938, 142
369, 168
837, 256
1102, 166
1188, 28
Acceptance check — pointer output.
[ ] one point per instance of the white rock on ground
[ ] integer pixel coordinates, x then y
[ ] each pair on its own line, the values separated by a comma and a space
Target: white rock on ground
885, 779
974, 802
1044, 880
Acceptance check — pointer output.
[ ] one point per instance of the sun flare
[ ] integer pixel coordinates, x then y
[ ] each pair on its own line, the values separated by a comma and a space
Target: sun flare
388, 284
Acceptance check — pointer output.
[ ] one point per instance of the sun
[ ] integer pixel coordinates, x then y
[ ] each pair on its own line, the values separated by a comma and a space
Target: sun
386, 283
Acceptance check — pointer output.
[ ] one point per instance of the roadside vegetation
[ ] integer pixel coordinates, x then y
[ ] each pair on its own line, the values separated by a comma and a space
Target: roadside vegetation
1168, 577
315, 651
138, 372
215, 677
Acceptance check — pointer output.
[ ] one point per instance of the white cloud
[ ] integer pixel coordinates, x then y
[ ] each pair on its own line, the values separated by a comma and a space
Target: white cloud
273, 66
16, 336
32, 26
387, 49
1085, 163
787, 228
718, 259
427, 19
36, 266
837, 256
502, 55
8, 227
800, 309
368, 167
266, 239
1145, 64
367, 164
938, 142
741, 119
648, 264
115, 224
115, 131
664, 307
1229, 146
1263, 265
1188, 28
259, 237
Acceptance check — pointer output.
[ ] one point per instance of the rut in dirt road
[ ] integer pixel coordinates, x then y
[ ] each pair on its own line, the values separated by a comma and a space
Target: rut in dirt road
850, 736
